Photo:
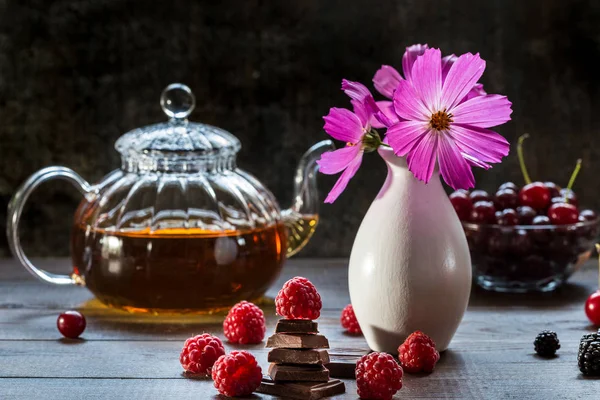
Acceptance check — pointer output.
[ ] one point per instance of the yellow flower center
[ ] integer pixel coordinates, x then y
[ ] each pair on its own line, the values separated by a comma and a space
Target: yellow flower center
440, 121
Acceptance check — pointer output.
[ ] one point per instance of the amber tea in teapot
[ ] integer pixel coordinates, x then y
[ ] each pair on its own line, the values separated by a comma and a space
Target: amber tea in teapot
179, 227
213, 270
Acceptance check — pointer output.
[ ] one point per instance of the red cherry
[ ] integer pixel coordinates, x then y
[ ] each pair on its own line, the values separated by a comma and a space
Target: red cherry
526, 215
592, 308
71, 324
483, 213
553, 188
479, 195
462, 205
535, 195
588, 215
569, 196
509, 185
563, 213
506, 198
508, 217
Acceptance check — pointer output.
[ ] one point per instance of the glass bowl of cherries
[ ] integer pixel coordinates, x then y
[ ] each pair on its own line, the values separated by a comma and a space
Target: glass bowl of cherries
526, 239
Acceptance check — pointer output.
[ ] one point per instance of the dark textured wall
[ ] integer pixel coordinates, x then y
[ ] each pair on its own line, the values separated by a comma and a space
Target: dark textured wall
74, 75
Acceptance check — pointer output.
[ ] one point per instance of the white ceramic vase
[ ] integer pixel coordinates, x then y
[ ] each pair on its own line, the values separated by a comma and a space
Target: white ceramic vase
410, 267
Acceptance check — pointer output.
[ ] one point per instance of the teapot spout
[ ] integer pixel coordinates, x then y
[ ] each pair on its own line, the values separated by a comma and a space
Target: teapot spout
302, 217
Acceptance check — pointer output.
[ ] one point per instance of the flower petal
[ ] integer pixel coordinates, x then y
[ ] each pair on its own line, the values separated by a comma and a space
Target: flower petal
360, 109
408, 104
355, 90
446, 64
476, 91
483, 111
386, 80
358, 91
403, 135
482, 144
475, 162
463, 75
335, 161
421, 158
343, 180
454, 168
427, 78
410, 56
386, 116
344, 125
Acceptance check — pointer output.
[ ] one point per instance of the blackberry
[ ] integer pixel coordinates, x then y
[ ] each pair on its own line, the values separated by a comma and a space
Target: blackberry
588, 358
546, 343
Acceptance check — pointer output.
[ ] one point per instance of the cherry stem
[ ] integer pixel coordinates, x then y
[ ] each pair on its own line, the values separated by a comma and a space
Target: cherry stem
598, 251
574, 174
522, 159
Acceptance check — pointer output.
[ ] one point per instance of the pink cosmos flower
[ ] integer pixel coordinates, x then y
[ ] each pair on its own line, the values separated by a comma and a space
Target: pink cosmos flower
381, 112
352, 128
440, 124
387, 78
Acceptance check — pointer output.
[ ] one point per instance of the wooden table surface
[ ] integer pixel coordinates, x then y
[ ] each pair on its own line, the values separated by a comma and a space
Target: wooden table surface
137, 357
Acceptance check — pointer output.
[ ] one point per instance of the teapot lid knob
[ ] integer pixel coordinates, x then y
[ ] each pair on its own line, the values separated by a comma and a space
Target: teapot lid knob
177, 101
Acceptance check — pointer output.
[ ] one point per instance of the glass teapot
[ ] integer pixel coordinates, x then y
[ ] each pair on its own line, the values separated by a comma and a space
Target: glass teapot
178, 227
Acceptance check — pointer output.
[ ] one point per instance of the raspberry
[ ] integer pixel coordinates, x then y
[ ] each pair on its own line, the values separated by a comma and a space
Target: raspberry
298, 299
378, 376
245, 324
237, 374
348, 320
200, 352
418, 353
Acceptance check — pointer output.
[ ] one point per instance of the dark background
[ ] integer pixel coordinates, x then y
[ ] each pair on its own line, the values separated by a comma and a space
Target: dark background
75, 75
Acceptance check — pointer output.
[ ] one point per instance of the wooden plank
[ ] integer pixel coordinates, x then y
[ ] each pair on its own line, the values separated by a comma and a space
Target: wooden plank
18, 289
183, 389
135, 356
478, 327
482, 374
160, 359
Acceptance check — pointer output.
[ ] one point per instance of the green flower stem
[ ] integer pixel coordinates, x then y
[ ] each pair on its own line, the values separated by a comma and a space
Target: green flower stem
522, 159
574, 174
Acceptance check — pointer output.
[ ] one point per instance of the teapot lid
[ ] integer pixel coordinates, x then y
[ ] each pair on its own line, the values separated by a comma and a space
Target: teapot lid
177, 145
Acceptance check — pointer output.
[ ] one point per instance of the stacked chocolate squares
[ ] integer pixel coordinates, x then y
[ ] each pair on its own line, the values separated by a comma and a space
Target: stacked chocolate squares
297, 360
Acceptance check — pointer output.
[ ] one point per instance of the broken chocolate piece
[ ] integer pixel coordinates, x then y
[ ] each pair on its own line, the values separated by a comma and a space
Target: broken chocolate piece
343, 367
308, 373
302, 390
296, 326
297, 341
298, 356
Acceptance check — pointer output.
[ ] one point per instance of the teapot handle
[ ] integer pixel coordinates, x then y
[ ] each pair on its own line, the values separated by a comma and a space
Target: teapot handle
15, 208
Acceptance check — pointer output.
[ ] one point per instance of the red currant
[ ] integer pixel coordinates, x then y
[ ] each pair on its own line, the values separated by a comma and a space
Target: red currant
71, 324
535, 195
462, 205
592, 308
563, 213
